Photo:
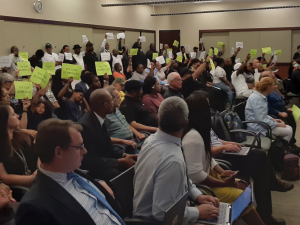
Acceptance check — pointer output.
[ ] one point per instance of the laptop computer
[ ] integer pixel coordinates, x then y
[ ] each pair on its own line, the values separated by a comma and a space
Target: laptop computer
174, 215
229, 214
245, 150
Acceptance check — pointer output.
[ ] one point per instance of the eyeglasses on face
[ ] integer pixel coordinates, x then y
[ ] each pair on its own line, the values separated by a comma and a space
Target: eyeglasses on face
77, 147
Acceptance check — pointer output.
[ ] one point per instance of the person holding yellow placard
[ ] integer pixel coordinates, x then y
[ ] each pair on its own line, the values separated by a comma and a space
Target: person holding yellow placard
149, 53
50, 56
14, 59
36, 59
140, 58
185, 57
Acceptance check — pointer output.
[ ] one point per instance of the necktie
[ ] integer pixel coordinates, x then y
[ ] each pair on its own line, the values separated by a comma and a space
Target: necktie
85, 185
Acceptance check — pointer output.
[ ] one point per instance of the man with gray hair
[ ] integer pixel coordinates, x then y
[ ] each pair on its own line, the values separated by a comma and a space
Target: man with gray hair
175, 84
6, 80
160, 172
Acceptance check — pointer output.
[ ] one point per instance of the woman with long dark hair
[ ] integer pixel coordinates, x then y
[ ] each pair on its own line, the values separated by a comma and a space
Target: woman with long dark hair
151, 94
202, 168
18, 161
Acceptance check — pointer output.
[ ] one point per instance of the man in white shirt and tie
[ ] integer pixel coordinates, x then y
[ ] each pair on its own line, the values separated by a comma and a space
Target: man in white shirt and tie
49, 56
160, 171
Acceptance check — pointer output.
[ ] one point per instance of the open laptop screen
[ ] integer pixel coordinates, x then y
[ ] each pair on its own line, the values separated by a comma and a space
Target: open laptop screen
241, 203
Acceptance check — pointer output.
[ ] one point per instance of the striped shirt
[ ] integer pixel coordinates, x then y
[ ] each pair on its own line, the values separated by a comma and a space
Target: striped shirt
94, 208
117, 126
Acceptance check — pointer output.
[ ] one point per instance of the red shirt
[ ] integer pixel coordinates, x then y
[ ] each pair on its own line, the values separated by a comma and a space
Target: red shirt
152, 102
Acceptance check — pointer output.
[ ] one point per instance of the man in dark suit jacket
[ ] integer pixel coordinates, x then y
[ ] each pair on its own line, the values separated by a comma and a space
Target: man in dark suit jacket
58, 194
99, 160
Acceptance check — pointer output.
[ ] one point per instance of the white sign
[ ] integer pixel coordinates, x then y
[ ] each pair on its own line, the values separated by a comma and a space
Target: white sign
161, 46
121, 35
170, 54
5, 61
256, 76
61, 57
275, 59
161, 60
187, 48
68, 56
238, 60
275, 71
273, 51
110, 36
232, 51
239, 44
255, 70
179, 53
148, 64
85, 39
193, 55
142, 39
202, 55
105, 56
201, 40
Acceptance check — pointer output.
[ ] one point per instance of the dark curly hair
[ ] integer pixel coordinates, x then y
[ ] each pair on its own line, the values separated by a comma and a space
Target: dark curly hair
149, 82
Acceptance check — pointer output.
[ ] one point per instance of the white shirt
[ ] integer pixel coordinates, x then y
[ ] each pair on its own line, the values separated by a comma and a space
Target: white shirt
79, 59
239, 83
160, 179
115, 60
101, 120
161, 73
218, 72
103, 47
197, 162
13, 59
51, 58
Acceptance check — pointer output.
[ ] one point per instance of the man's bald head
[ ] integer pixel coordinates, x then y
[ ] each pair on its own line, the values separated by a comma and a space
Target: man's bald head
98, 98
267, 74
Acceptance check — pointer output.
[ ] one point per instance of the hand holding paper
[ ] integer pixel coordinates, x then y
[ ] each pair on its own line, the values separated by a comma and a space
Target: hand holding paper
103, 68
220, 44
133, 51
176, 43
40, 76
23, 89
85, 39
239, 44
142, 39
24, 56
267, 50
24, 68
70, 70
110, 36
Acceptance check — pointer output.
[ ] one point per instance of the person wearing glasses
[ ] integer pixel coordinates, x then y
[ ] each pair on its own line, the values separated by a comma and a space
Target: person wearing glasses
14, 59
62, 194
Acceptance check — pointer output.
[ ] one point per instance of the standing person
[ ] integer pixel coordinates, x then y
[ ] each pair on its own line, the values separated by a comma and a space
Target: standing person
61, 194
14, 59
140, 58
49, 56
116, 58
104, 45
151, 94
229, 63
78, 56
295, 78
66, 49
297, 54
149, 53
99, 160
257, 110
165, 51
18, 161
160, 172
36, 59
90, 58
126, 60
220, 80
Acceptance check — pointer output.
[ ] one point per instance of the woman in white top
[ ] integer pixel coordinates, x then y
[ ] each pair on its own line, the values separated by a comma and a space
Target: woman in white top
202, 168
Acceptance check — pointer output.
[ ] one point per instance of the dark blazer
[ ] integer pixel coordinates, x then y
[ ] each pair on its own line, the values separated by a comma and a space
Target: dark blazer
99, 160
48, 203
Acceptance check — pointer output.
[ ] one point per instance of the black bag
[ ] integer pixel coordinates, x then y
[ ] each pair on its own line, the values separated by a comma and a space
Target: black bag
277, 153
233, 122
219, 127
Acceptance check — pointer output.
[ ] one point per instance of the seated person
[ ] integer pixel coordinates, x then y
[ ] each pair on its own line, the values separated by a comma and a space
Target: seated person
220, 80
160, 172
161, 70
151, 94
239, 80
72, 108
36, 111
202, 168
100, 160
139, 73
58, 84
82, 84
137, 114
18, 161
120, 132
117, 71
61, 194
276, 107
295, 78
119, 84
257, 110
93, 83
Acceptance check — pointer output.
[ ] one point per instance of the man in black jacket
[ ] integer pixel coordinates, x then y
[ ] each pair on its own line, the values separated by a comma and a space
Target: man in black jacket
99, 160
59, 192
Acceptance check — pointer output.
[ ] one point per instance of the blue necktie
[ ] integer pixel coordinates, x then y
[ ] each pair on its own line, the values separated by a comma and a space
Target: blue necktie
85, 185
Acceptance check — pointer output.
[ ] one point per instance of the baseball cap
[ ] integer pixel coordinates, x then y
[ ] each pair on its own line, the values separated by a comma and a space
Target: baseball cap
48, 45
133, 85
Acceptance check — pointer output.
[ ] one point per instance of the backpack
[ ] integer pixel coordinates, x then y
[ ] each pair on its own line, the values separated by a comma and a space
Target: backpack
277, 153
219, 127
290, 167
233, 122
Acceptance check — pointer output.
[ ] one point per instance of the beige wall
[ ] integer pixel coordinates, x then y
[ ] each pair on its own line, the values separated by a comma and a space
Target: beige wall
191, 24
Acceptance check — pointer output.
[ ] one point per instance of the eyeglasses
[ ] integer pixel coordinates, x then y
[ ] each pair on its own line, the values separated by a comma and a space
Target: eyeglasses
77, 147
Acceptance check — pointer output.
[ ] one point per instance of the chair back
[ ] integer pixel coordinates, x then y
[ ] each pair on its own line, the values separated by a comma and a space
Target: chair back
122, 187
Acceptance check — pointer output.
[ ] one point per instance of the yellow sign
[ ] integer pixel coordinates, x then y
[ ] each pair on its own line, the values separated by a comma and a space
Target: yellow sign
133, 51
168, 60
210, 53
278, 52
70, 70
40, 76
176, 43
23, 89
264, 66
296, 113
50, 67
216, 51
253, 52
220, 44
24, 56
103, 68
267, 50
169, 50
154, 55
212, 64
24, 68
179, 58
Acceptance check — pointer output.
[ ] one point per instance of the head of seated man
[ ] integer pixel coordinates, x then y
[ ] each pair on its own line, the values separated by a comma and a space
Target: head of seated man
174, 81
